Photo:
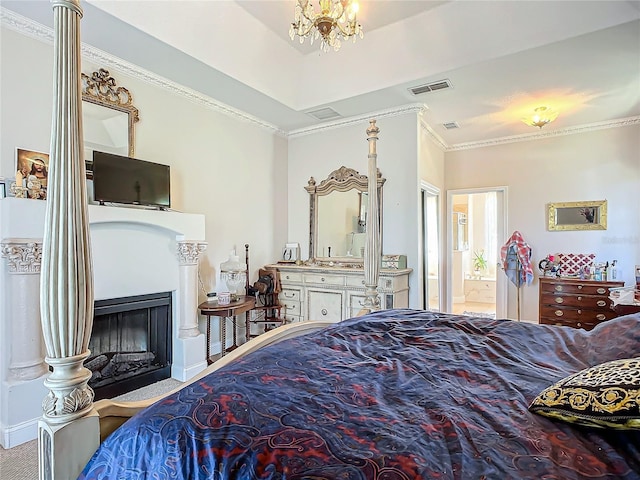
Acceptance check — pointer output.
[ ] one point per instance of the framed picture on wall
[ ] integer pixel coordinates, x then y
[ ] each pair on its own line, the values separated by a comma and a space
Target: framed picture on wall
32, 172
577, 215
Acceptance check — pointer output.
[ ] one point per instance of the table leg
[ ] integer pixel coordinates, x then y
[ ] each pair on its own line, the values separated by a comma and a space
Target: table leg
209, 362
247, 326
235, 334
223, 335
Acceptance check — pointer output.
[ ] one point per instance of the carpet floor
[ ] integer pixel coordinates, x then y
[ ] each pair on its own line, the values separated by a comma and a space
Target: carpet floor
21, 462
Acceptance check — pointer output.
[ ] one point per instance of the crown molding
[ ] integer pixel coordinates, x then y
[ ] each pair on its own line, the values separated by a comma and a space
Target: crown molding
40, 32
620, 122
343, 122
437, 139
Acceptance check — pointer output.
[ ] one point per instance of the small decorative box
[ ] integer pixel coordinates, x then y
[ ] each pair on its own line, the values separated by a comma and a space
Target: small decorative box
394, 262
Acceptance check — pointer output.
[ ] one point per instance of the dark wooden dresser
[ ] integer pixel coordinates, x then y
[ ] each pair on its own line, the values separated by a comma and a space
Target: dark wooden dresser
575, 303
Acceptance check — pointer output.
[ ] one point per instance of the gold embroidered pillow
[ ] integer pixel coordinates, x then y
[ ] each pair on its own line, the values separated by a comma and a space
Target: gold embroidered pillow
603, 396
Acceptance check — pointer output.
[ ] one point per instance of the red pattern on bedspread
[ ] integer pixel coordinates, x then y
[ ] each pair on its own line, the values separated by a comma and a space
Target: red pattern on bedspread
398, 394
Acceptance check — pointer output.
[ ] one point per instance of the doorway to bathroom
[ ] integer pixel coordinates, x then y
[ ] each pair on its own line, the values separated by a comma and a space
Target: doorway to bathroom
476, 221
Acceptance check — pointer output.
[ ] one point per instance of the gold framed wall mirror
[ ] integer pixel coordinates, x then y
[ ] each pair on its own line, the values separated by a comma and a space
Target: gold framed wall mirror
577, 215
338, 216
108, 116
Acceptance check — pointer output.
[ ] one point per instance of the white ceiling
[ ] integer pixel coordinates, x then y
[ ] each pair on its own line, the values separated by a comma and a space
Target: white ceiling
503, 59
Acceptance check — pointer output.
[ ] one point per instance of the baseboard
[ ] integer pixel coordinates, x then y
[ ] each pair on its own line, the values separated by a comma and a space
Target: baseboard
184, 374
15, 435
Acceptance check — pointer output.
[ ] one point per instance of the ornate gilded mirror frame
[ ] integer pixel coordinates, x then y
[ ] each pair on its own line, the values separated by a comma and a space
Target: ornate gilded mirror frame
343, 179
578, 215
100, 89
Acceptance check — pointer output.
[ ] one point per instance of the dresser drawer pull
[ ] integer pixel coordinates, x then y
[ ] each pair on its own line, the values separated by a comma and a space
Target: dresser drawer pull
578, 325
559, 288
559, 300
579, 312
601, 303
601, 290
579, 299
601, 316
324, 311
289, 306
289, 295
287, 277
579, 287
322, 279
363, 282
559, 313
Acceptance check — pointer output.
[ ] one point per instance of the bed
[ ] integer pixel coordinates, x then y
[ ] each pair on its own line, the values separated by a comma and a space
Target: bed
395, 394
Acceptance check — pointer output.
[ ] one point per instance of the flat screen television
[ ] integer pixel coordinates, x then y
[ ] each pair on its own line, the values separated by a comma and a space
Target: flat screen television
118, 179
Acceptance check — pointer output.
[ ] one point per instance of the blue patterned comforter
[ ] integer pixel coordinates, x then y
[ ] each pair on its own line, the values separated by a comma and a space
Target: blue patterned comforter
394, 395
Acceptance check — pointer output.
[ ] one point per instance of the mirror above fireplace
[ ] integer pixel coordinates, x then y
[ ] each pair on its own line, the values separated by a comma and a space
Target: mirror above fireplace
108, 115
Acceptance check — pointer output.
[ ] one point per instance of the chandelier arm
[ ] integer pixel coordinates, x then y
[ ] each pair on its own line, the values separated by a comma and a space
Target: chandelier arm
346, 33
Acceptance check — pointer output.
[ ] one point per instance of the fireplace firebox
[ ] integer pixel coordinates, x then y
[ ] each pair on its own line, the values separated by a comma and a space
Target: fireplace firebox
130, 343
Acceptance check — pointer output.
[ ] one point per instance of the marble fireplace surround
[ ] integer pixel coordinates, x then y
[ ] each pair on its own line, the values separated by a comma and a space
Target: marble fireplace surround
135, 252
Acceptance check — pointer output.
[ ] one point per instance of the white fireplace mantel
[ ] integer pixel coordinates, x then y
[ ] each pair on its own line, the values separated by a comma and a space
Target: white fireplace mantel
135, 251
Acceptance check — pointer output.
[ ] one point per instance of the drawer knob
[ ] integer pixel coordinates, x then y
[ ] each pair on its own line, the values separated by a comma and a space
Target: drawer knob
601, 303
579, 312
559, 300
322, 279
601, 316
324, 311
578, 325
580, 299
601, 290
363, 282
559, 313
579, 287
559, 288
287, 277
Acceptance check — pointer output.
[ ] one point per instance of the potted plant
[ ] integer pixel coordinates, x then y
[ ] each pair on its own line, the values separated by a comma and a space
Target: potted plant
479, 262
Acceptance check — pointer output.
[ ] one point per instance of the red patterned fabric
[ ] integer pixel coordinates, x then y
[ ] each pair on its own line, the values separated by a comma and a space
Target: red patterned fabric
517, 249
572, 263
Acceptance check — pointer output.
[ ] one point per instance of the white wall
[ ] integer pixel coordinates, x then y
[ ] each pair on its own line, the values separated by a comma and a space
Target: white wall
232, 171
596, 165
318, 154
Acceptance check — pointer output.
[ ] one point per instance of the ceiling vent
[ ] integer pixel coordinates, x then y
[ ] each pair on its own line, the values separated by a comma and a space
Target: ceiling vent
431, 87
324, 113
451, 125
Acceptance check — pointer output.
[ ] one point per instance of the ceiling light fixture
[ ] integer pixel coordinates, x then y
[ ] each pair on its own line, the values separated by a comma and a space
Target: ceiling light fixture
336, 20
541, 116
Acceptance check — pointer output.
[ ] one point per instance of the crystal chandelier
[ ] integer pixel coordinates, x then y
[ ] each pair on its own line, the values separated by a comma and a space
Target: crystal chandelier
337, 19
541, 116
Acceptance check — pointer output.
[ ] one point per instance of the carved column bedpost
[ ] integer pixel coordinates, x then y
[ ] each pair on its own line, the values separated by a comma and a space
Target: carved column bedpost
372, 249
66, 285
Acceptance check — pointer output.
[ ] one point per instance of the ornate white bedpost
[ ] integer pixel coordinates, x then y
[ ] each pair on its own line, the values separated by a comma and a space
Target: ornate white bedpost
66, 285
372, 250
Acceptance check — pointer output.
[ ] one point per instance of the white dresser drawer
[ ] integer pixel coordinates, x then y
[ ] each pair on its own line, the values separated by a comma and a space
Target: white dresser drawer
355, 281
290, 307
289, 294
290, 277
321, 279
292, 318
325, 305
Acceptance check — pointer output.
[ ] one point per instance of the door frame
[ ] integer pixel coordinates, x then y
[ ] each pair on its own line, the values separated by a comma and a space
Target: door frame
428, 189
501, 230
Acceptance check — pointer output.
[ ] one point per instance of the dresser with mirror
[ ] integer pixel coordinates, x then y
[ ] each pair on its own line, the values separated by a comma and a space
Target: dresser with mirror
330, 285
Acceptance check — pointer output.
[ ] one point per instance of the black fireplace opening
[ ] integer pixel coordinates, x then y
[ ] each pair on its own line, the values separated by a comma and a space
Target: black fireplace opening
130, 343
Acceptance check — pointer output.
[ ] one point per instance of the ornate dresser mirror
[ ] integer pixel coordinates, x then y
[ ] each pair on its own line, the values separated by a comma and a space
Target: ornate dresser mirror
338, 216
108, 115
